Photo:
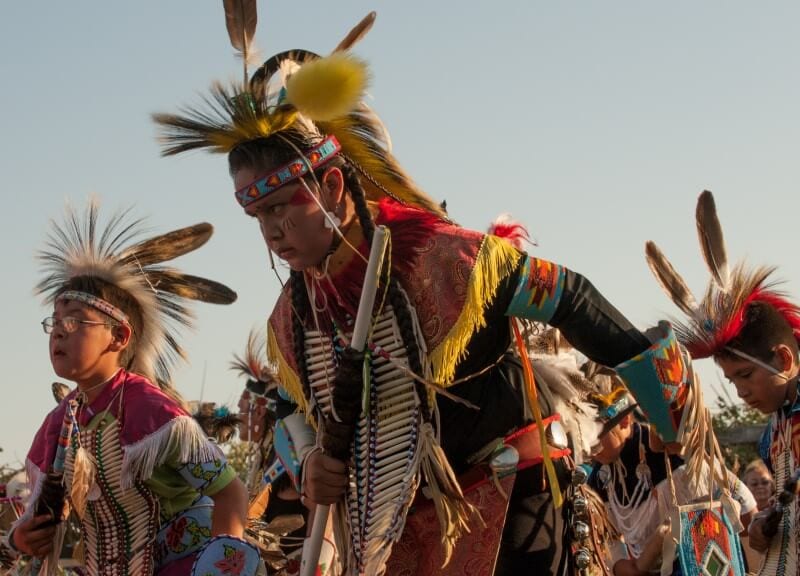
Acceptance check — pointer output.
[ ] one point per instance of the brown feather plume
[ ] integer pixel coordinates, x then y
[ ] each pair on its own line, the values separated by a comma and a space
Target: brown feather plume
168, 246
192, 287
712, 242
240, 20
357, 33
672, 282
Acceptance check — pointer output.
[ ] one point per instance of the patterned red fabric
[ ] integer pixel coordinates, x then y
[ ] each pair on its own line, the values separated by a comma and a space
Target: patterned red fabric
419, 551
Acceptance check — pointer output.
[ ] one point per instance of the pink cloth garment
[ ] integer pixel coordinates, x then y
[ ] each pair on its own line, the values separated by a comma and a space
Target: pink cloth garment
145, 410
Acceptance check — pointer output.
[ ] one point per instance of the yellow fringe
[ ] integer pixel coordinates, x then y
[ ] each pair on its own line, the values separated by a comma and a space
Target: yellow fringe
289, 379
533, 400
496, 260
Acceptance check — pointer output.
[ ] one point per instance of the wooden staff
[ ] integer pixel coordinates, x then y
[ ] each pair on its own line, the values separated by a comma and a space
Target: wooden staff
51, 498
313, 545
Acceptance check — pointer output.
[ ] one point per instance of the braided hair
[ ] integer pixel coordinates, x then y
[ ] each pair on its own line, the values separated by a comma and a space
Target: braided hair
397, 298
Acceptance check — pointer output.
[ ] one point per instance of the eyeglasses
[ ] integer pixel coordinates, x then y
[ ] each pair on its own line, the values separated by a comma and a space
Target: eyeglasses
760, 482
69, 324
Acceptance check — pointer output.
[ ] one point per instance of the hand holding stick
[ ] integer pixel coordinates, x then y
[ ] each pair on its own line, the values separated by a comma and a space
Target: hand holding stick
784, 499
337, 436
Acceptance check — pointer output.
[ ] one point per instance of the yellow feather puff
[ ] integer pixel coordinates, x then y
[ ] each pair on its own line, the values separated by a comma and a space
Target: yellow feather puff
329, 87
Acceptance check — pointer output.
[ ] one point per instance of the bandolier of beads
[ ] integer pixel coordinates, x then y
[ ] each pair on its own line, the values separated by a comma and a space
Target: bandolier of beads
300, 309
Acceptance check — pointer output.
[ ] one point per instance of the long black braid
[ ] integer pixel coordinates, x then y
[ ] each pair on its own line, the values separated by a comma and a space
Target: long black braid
399, 302
300, 306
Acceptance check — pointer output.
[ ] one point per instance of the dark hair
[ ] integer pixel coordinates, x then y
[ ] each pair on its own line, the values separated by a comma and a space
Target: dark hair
116, 297
763, 330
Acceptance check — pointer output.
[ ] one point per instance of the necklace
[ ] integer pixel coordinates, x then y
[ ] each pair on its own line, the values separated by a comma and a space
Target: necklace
83, 395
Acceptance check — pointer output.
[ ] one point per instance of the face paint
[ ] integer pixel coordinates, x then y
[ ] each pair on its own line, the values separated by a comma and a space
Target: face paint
300, 240
301, 197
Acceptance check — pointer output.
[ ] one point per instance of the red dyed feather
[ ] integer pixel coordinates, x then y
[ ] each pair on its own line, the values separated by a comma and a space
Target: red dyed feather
507, 228
727, 332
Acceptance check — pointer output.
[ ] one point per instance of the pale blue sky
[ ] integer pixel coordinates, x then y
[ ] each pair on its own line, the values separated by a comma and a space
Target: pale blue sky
595, 123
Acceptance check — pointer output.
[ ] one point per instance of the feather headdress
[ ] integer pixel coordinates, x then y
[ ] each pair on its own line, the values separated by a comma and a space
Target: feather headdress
78, 247
719, 317
299, 89
609, 395
252, 365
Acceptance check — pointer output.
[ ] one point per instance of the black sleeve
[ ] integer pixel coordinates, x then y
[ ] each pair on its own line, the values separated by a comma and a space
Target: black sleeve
283, 407
591, 324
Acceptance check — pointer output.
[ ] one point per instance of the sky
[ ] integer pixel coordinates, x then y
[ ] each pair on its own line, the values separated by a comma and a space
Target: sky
595, 123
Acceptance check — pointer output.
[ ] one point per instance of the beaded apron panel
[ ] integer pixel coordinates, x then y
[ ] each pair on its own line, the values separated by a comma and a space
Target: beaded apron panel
118, 527
781, 556
383, 472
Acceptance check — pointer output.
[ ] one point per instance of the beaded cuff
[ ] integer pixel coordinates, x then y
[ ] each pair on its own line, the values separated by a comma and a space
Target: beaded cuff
538, 291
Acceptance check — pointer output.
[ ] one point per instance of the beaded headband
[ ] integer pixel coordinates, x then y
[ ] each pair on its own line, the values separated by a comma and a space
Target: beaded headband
317, 156
95, 302
614, 412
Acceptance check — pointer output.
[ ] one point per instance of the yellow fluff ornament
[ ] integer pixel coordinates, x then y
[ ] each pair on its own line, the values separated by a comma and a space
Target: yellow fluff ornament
329, 87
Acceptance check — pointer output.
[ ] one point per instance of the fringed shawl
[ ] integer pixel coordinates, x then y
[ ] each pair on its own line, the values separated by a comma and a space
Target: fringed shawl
152, 427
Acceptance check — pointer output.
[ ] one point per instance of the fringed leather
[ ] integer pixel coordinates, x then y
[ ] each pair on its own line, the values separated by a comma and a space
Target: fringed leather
452, 509
182, 433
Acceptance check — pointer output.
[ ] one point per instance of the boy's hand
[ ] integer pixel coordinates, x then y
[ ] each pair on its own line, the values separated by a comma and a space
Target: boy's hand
35, 536
758, 540
324, 478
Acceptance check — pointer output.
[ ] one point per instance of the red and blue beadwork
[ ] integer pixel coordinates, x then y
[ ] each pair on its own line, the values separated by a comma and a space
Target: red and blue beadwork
313, 159
227, 556
287, 453
539, 290
708, 544
659, 380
